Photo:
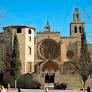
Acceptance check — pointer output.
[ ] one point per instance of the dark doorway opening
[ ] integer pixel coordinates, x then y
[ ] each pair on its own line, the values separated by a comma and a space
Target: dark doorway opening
49, 78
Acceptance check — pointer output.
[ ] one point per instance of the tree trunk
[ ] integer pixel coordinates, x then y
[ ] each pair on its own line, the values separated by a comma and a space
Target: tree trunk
84, 86
15, 84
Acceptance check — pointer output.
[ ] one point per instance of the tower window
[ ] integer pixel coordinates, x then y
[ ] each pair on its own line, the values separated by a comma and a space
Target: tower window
80, 29
19, 30
29, 67
30, 50
75, 29
29, 31
29, 38
77, 17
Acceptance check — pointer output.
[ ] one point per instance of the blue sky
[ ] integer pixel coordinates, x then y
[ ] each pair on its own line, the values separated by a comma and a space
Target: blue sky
35, 13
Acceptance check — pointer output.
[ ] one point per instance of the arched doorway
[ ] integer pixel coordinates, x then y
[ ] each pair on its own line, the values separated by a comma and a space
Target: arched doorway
49, 68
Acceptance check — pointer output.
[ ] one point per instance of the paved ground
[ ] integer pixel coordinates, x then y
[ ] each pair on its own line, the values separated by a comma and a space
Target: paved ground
38, 90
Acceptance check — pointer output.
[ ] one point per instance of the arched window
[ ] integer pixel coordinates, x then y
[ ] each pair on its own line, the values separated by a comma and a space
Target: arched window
80, 29
29, 31
75, 29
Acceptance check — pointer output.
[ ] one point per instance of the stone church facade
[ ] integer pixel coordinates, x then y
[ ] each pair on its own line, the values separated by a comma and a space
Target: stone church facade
52, 45
47, 55
53, 53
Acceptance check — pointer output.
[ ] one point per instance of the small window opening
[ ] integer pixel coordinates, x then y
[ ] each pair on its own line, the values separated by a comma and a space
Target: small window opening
80, 29
75, 29
29, 38
30, 50
29, 31
29, 67
19, 30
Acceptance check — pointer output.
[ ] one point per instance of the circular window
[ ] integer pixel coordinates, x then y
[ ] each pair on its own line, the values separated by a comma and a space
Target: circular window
70, 54
48, 48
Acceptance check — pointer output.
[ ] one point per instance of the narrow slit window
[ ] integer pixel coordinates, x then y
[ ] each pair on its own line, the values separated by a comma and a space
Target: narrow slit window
80, 29
75, 29
29, 67
29, 50
29, 38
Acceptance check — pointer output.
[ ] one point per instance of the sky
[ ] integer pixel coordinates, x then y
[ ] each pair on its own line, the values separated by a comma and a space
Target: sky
36, 13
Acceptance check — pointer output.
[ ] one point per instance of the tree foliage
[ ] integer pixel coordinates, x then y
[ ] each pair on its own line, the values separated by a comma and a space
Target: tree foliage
83, 65
15, 62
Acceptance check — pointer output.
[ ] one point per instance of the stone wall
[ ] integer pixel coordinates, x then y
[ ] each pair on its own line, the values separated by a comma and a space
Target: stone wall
73, 81
90, 50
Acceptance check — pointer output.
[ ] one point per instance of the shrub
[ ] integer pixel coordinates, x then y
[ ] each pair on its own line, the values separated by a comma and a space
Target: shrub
35, 85
62, 86
26, 82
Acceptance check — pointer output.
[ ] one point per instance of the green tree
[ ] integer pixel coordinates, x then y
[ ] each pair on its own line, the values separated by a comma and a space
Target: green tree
15, 62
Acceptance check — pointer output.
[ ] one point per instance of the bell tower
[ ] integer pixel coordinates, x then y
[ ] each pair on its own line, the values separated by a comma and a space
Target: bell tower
47, 27
77, 26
